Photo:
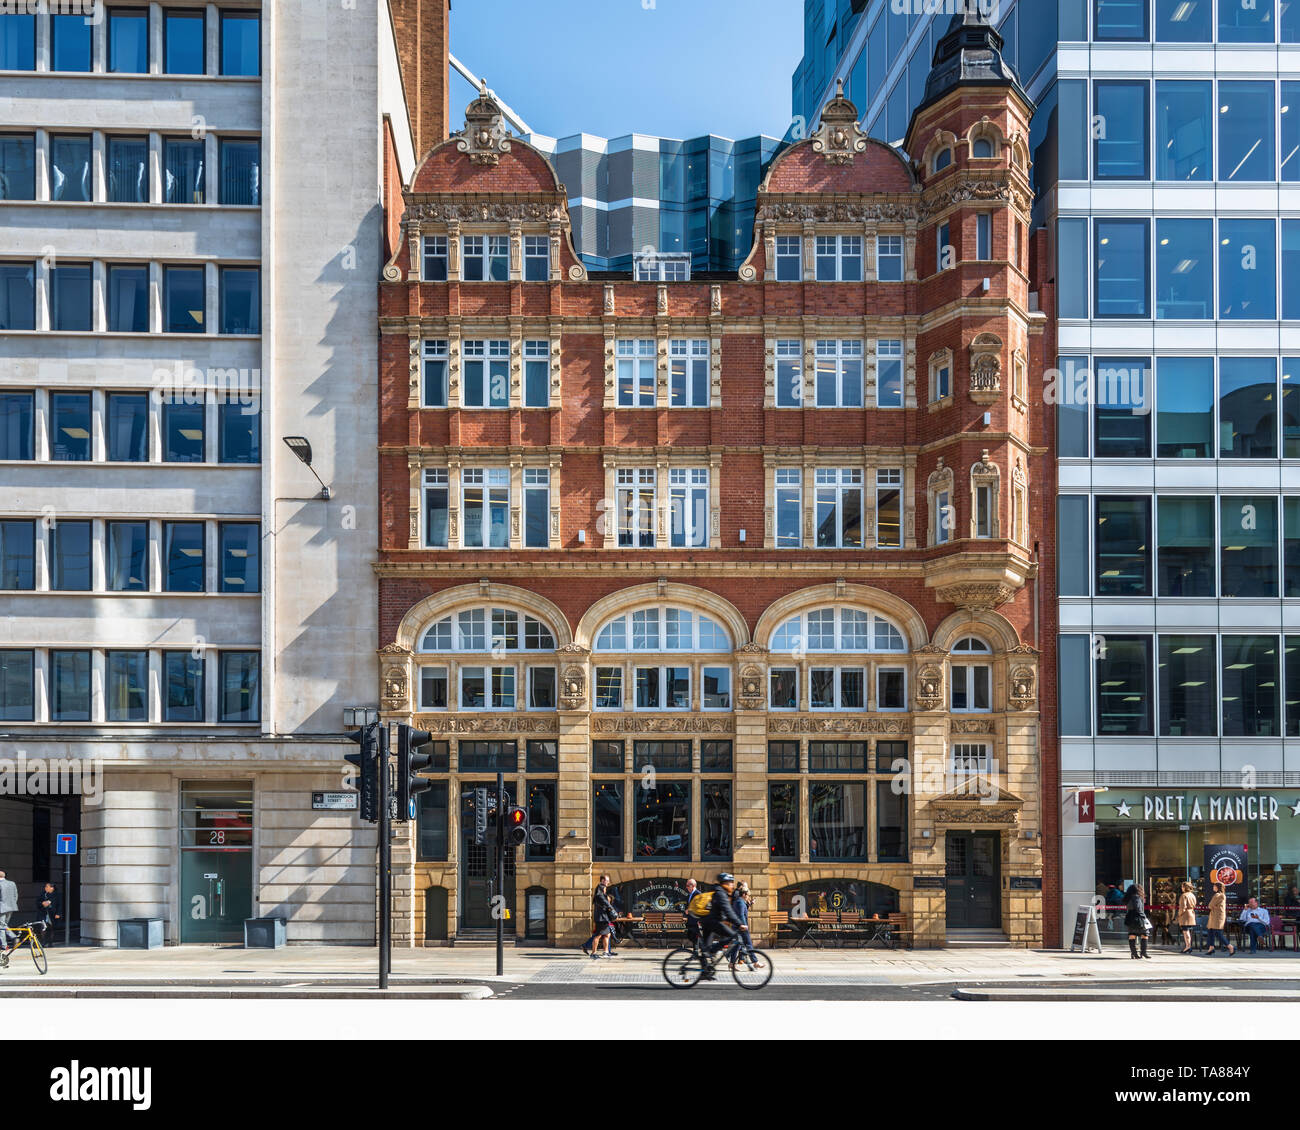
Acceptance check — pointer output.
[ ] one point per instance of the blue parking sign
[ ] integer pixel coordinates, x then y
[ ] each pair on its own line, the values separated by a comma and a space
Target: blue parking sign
66, 845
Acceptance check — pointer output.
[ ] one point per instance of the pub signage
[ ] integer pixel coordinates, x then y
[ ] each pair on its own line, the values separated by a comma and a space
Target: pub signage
1182, 808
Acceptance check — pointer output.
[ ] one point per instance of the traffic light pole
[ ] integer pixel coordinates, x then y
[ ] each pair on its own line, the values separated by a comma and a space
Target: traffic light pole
501, 874
385, 862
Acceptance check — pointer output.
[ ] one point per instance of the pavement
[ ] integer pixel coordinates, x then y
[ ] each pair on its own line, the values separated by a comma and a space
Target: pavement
348, 972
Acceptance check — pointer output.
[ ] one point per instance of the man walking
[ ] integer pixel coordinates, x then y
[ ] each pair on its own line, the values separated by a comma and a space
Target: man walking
50, 907
8, 906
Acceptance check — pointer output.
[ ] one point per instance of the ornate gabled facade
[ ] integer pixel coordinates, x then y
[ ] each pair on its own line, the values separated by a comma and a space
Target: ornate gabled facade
729, 574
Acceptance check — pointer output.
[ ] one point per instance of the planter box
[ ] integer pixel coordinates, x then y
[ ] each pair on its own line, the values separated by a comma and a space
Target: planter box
139, 933
264, 933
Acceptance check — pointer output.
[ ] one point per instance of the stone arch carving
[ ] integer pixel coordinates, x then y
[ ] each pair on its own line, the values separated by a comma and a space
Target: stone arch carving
942, 139
986, 364
887, 604
986, 130
435, 607
662, 592
993, 627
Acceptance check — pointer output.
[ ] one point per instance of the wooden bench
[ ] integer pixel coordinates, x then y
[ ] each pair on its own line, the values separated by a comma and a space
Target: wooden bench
663, 928
799, 929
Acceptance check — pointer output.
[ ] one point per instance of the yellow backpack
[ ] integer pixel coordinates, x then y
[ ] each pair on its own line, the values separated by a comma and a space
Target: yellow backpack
699, 905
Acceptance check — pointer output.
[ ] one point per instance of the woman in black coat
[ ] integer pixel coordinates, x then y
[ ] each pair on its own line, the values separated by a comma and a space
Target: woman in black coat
1135, 920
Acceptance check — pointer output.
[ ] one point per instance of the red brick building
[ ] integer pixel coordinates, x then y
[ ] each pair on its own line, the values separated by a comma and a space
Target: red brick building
733, 573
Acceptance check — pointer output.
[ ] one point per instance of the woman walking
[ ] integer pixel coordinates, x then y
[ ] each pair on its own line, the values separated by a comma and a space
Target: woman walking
1186, 915
1136, 921
1218, 920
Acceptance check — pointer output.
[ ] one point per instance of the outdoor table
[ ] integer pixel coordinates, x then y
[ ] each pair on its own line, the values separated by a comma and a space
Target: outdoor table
629, 933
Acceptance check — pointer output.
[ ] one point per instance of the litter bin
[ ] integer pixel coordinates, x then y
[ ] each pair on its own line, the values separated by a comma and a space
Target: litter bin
264, 933
139, 933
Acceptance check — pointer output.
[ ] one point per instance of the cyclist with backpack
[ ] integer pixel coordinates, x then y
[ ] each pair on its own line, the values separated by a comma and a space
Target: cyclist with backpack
722, 923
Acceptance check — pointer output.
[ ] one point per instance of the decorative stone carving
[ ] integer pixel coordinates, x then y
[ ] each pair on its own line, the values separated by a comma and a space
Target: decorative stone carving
976, 813
394, 677
819, 724
485, 136
790, 211
1023, 693
839, 136
751, 687
973, 726
490, 723
534, 211
644, 724
573, 687
929, 686
985, 368
976, 597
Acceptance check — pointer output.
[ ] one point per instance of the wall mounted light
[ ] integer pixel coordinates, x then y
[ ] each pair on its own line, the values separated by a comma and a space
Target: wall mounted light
300, 446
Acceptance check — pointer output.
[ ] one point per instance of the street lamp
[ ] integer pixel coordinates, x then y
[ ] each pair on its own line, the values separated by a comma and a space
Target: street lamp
300, 446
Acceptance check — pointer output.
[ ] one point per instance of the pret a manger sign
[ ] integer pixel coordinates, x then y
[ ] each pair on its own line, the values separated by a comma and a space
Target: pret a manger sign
1197, 809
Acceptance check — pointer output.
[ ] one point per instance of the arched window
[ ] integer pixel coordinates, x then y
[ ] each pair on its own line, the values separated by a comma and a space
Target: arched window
487, 629
838, 629
942, 159
663, 629
972, 682
982, 147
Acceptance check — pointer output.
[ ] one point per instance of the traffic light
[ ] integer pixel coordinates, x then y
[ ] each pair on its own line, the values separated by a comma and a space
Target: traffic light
481, 817
516, 826
409, 763
366, 762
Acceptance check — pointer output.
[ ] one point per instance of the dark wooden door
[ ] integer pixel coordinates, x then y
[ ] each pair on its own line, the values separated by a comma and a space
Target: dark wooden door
973, 880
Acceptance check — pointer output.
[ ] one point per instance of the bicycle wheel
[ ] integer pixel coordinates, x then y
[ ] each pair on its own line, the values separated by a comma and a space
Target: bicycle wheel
38, 956
752, 970
682, 968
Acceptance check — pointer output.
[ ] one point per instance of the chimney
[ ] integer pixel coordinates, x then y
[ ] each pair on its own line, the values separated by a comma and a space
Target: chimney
423, 32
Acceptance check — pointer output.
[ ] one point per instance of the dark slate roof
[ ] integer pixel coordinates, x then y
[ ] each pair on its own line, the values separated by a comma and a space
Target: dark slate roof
969, 54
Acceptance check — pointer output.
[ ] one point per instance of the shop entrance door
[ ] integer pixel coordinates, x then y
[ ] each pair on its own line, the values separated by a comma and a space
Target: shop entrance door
478, 868
216, 860
973, 880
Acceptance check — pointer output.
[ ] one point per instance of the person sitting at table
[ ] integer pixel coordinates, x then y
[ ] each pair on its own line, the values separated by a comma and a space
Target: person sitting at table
1255, 922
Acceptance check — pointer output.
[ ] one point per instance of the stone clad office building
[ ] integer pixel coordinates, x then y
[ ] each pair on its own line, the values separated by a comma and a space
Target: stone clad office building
708, 566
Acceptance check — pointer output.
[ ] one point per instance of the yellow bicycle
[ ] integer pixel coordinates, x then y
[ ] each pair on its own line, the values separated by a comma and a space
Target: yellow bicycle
27, 936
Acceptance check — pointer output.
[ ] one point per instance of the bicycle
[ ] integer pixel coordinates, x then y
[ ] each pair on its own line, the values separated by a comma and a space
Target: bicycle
27, 937
686, 966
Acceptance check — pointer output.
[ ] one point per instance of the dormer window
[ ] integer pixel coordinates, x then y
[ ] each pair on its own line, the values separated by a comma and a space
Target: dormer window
663, 266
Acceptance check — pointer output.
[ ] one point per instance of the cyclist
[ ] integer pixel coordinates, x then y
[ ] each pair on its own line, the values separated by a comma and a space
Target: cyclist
723, 922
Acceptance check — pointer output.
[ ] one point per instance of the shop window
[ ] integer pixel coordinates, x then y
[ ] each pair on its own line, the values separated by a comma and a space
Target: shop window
1250, 684
543, 757
1185, 541
715, 820
541, 813
1185, 408
1184, 120
1123, 546
1124, 682
891, 823
1249, 549
1188, 686
837, 822
1184, 269
783, 820
662, 820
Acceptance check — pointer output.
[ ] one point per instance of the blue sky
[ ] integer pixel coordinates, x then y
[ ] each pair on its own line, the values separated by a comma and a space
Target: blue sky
610, 67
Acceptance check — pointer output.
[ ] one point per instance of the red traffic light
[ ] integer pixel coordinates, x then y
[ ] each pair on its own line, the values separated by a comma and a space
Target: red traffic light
516, 826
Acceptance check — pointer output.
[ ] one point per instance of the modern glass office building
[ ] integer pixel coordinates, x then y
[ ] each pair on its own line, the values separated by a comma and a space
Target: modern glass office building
633, 195
1173, 205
